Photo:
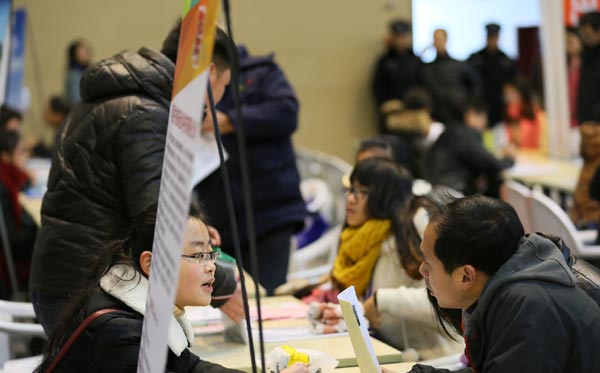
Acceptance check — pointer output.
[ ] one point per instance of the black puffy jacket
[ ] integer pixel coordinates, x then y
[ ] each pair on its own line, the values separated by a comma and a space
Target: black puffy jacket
106, 168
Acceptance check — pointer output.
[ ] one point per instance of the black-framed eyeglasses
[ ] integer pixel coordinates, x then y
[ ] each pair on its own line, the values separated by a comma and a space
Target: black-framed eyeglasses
357, 193
203, 258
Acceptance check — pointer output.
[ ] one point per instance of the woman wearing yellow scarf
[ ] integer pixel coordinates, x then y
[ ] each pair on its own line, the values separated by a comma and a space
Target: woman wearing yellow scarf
377, 195
379, 254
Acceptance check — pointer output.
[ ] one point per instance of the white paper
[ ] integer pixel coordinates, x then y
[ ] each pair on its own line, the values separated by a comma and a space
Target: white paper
293, 334
357, 328
203, 315
207, 158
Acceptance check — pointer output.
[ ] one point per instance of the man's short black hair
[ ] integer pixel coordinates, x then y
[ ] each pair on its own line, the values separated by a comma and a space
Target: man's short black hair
224, 52
7, 113
60, 105
592, 19
481, 231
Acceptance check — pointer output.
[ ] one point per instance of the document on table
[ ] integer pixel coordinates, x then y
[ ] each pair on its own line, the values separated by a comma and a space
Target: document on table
357, 328
271, 335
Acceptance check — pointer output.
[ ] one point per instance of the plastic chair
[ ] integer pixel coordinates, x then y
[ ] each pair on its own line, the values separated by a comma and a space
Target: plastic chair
26, 364
548, 216
519, 197
9, 327
330, 169
322, 252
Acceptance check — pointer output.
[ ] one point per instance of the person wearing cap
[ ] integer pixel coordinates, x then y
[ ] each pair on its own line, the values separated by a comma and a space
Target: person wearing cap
396, 71
495, 69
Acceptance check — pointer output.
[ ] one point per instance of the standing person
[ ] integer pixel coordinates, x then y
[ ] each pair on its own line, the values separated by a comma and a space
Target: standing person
396, 72
452, 83
495, 68
56, 112
522, 310
586, 210
270, 117
107, 165
79, 58
459, 160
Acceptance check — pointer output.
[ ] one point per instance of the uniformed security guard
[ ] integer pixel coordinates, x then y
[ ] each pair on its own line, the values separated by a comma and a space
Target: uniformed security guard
495, 69
397, 70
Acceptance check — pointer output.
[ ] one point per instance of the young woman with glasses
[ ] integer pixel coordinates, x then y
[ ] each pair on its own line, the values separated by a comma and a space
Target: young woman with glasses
379, 254
111, 342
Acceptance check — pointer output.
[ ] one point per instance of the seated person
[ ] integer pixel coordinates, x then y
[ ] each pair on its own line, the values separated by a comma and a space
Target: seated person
112, 341
10, 119
459, 160
414, 125
522, 308
57, 110
377, 193
20, 225
400, 316
387, 146
524, 121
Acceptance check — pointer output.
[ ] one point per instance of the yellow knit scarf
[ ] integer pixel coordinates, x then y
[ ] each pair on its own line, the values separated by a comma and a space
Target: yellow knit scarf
358, 252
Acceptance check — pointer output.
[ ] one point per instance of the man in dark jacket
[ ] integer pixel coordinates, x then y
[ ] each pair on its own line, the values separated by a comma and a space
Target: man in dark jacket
452, 83
522, 309
396, 72
106, 166
270, 117
495, 68
585, 210
588, 96
459, 160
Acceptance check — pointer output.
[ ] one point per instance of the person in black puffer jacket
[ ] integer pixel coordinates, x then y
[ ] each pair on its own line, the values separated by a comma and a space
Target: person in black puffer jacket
107, 164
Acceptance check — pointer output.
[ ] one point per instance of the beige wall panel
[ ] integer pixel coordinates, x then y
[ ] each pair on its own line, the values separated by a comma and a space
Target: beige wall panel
326, 47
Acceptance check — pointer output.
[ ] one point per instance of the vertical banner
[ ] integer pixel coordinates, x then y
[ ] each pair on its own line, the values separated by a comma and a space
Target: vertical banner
16, 67
575, 8
4, 45
191, 77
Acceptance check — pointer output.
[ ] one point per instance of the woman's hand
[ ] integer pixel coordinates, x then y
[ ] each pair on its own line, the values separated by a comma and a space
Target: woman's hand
371, 312
296, 368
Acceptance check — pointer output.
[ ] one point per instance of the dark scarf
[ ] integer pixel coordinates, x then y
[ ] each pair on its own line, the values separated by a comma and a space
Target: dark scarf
14, 180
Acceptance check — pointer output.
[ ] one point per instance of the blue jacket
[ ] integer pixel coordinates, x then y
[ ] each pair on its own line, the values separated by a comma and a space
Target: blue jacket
270, 117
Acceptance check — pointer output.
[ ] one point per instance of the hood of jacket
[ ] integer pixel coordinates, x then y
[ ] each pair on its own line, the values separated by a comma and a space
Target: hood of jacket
537, 258
145, 72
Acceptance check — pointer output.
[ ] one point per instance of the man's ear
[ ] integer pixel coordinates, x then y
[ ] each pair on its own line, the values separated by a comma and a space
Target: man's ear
212, 72
145, 259
469, 276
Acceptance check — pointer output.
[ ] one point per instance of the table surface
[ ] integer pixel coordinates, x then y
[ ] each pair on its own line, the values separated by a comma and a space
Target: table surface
33, 206
235, 355
532, 169
398, 368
